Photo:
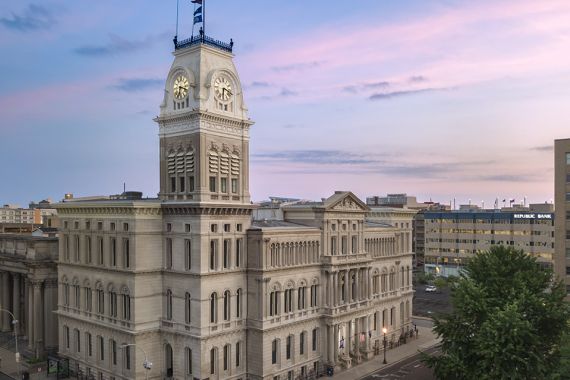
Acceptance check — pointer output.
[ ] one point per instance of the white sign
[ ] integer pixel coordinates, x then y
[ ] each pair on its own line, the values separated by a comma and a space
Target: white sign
532, 216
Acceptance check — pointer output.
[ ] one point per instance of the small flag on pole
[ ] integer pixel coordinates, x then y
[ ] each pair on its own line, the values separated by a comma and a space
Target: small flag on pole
198, 11
198, 14
197, 2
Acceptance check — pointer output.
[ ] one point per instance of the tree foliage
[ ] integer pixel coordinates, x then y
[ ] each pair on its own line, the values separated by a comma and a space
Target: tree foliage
508, 322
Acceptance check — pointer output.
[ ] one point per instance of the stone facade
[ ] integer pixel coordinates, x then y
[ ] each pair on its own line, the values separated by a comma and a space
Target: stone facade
199, 289
28, 289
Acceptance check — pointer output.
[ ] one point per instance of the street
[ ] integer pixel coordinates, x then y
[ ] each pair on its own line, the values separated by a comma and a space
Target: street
411, 368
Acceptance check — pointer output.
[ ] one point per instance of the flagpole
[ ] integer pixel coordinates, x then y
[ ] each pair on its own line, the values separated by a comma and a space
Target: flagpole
177, 6
193, 20
204, 16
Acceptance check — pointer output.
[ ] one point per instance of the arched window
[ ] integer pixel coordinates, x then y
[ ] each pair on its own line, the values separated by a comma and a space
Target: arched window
274, 351
126, 304
343, 288
188, 309
169, 304
226, 357
353, 286
213, 360
238, 303
213, 249
227, 305
112, 302
213, 308
65, 289
169, 360
188, 357
100, 298
402, 279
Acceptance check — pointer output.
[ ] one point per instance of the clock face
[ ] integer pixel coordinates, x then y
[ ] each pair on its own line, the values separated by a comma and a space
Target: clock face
223, 88
180, 87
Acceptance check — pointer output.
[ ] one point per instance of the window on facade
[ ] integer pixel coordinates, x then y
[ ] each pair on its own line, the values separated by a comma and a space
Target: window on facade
314, 295
66, 336
88, 250
100, 301
238, 303
354, 244
213, 184
101, 348
212, 361
188, 254
66, 248
182, 184
188, 308
238, 347
226, 253
238, 252
191, 183
288, 343
76, 249
224, 185
315, 338
274, 351
169, 304
567, 158
127, 253
126, 307
100, 226
172, 184
113, 304
113, 248
128, 357
344, 245
213, 251
333, 245
227, 305
288, 300
238, 227
301, 297
88, 300
273, 303
168, 258
213, 308
77, 294
87, 225
226, 356
234, 185
89, 344
188, 357
112, 226
100, 252
114, 352
302, 343
66, 294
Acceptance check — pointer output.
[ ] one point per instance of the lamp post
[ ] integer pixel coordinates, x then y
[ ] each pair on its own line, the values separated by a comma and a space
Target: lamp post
146, 364
15, 324
385, 330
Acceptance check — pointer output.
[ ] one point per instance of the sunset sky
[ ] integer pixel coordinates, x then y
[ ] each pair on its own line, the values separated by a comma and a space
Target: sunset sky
438, 99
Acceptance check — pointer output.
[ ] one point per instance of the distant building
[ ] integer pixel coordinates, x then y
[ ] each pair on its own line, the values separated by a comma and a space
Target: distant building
35, 214
562, 202
453, 237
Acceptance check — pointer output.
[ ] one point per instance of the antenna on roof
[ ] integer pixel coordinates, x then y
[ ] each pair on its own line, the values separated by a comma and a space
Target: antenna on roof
124, 187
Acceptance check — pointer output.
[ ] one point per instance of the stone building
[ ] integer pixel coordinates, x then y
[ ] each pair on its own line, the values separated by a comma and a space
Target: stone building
189, 282
28, 289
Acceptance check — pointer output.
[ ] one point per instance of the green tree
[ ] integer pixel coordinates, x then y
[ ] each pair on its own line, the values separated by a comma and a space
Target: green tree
508, 322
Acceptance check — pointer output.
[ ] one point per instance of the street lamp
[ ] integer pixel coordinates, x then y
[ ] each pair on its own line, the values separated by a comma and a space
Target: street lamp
385, 330
15, 323
146, 364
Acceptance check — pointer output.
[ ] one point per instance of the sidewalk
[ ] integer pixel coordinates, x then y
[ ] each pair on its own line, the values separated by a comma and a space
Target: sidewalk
425, 340
8, 364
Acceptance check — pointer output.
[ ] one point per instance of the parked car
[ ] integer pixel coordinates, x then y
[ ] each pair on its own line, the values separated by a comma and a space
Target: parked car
431, 289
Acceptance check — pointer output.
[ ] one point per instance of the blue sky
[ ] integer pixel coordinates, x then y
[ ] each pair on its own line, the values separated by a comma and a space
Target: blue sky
438, 99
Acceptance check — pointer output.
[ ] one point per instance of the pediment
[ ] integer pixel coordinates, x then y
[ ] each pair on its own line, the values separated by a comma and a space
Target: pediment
345, 201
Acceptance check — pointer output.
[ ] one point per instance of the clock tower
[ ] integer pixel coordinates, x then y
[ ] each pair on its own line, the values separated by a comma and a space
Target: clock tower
204, 127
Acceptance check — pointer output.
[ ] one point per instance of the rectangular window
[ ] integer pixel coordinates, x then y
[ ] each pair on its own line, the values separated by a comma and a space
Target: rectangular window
112, 226
227, 246
126, 227
314, 340
191, 183
128, 357
101, 251
238, 227
213, 254
87, 225
168, 259
182, 184
88, 249
227, 227
354, 244
172, 184
224, 185
188, 254
188, 361
101, 348
234, 185
226, 356
288, 347
126, 253
187, 227
113, 247
333, 245
274, 351
66, 336
568, 271
89, 343
344, 247
237, 354
100, 226
567, 197
238, 252
114, 352
302, 344
567, 158
213, 184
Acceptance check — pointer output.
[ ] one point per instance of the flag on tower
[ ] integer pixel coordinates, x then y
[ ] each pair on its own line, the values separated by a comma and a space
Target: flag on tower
198, 15
197, 2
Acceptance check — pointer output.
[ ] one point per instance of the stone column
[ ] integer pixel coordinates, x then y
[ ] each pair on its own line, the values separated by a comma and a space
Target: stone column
357, 327
38, 318
369, 283
335, 343
335, 289
349, 338
328, 288
30, 314
357, 282
6, 319
16, 300
330, 345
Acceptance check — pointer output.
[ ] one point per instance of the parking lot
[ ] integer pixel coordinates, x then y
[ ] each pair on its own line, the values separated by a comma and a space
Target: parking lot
426, 304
